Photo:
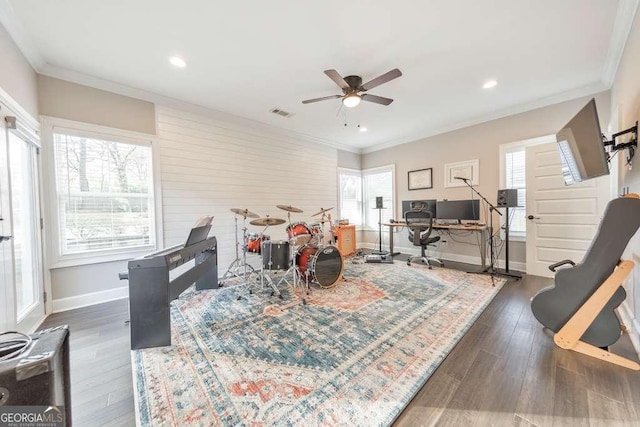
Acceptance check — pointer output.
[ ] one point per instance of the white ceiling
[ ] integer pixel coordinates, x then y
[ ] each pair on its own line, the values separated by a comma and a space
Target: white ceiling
247, 57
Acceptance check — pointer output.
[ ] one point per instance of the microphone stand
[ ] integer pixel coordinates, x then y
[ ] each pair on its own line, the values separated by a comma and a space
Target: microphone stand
491, 270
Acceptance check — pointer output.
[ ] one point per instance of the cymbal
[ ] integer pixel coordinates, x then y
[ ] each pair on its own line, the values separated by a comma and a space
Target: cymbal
322, 211
267, 221
289, 208
244, 212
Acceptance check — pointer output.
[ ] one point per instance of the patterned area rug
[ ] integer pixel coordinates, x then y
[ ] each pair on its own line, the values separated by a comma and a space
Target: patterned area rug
354, 355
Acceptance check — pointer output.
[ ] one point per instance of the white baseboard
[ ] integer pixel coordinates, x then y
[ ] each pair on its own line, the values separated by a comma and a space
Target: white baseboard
632, 324
84, 300
448, 256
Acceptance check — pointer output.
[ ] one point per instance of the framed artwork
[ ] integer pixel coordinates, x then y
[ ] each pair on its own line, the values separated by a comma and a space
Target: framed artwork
469, 169
420, 179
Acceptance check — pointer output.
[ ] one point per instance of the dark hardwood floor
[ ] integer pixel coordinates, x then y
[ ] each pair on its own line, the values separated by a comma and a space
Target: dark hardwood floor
505, 371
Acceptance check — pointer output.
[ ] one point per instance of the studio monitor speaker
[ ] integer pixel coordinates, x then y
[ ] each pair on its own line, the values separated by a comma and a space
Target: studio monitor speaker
508, 198
379, 203
40, 376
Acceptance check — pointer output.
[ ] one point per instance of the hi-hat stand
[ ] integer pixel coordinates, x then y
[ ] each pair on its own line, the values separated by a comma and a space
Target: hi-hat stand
492, 269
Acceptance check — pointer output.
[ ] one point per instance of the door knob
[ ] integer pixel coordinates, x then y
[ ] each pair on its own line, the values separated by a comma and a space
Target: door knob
3, 238
533, 217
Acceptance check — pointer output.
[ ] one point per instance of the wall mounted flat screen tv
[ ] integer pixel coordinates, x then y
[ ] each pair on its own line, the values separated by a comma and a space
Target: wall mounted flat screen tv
582, 152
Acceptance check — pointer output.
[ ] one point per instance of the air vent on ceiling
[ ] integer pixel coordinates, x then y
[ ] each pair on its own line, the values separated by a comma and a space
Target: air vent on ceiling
281, 112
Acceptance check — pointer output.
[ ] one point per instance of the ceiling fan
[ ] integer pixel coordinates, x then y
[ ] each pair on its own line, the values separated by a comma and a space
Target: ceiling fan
352, 87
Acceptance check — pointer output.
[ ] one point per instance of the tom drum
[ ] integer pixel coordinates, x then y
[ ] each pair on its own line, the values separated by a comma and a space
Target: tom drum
253, 241
299, 233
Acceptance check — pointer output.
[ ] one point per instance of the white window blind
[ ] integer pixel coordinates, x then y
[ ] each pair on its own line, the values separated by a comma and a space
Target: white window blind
350, 195
104, 193
377, 182
515, 174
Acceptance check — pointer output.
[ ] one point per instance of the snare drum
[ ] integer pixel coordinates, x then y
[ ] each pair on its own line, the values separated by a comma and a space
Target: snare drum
320, 265
275, 255
253, 240
299, 233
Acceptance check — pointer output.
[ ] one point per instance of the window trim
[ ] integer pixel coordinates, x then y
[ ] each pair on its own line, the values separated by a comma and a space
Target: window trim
391, 166
49, 125
358, 172
510, 147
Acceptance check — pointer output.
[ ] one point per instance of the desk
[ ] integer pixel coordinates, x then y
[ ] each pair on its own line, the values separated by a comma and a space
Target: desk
482, 229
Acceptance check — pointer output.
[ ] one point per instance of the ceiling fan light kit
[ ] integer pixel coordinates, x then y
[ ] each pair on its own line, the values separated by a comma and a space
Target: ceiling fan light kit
352, 88
351, 100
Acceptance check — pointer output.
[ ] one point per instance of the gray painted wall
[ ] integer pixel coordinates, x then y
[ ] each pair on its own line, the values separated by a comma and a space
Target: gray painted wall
17, 78
475, 142
71, 101
347, 159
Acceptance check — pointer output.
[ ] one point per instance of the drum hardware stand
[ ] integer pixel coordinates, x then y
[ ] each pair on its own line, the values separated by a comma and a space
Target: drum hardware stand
293, 268
492, 270
264, 276
239, 264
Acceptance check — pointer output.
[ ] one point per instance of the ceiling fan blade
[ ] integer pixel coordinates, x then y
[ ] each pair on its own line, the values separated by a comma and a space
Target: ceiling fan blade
324, 98
393, 74
377, 99
336, 77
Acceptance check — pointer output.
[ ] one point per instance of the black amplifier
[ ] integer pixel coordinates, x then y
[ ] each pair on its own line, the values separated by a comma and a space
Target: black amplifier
40, 376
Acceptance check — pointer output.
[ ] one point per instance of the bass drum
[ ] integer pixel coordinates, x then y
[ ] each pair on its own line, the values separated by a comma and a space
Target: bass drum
320, 265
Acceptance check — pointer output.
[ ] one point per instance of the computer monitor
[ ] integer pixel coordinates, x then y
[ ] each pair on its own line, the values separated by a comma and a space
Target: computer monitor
429, 205
459, 209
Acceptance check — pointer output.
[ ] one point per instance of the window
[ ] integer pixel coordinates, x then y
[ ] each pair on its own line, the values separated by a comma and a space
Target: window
104, 195
358, 191
350, 195
515, 177
375, 183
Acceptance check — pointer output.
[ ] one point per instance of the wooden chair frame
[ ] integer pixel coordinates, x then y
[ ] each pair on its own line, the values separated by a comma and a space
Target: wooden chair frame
568, 337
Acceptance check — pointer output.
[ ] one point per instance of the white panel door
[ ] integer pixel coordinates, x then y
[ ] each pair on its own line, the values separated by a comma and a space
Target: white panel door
22, 284
562, 220
7, 295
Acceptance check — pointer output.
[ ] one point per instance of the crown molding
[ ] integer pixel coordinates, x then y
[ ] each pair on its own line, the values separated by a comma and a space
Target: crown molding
621, 29
165, 101
13, 25
622, 26
590, 89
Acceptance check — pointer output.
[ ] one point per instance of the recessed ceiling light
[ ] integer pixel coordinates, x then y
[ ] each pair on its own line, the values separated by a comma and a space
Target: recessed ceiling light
176, 61
489, 84
363, 129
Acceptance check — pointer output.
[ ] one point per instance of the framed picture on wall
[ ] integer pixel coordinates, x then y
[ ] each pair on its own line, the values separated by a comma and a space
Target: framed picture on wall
469, 169
420, 179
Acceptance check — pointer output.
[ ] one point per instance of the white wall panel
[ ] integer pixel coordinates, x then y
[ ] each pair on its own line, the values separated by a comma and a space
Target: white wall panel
208, 167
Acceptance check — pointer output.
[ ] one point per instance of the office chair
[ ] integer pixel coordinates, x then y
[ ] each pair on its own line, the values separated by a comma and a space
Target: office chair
420, 224
580, 306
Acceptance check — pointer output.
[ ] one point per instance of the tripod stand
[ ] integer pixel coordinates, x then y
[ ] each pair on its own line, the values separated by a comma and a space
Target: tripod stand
239, 267
492, 269
380, 251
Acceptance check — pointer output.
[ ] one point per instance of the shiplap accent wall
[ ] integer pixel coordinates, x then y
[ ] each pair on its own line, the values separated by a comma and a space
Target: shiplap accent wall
208, 167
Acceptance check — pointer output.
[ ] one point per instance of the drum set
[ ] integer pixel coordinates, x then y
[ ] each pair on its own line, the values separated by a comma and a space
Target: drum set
305, 257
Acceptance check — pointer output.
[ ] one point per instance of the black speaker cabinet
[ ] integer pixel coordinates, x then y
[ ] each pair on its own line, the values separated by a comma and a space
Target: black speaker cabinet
41, 375
379, 203
508, 198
